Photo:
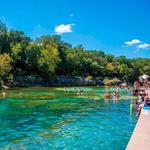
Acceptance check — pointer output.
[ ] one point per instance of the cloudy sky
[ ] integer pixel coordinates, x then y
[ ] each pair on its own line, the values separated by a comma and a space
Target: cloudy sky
115, 26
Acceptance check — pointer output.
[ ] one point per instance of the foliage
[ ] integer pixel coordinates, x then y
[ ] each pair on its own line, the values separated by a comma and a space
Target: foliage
5, 65
49, 55
16, 52
49, 59
33, 53
89, 78
106, 81
115, 80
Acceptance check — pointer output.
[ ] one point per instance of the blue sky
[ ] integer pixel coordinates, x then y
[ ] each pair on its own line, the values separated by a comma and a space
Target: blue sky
118, 27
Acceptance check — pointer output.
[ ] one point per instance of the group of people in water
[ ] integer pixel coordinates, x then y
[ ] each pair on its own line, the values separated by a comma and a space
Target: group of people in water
141, 93
108, 95
115, 93
77, 90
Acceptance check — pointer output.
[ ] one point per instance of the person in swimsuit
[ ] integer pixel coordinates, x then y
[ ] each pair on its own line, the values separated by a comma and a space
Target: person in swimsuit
143, 94
147, 100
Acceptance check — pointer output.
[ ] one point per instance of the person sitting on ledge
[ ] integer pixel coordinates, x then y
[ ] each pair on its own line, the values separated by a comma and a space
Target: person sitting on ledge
143, 95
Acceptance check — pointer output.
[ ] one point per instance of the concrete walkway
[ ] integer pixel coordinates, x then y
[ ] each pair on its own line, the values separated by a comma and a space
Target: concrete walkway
140, 139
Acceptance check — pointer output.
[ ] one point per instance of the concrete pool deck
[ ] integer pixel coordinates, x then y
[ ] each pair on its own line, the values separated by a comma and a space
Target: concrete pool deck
140, 138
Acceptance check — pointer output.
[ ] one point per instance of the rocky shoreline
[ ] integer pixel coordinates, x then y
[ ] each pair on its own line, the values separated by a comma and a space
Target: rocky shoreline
31, 81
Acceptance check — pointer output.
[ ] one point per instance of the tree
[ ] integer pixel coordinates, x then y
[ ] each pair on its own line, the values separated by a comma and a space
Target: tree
16, 53
54, 40
4, 44
49, 55
109, 58
15, 37
48, 61
33, 52
5, 66
64, 49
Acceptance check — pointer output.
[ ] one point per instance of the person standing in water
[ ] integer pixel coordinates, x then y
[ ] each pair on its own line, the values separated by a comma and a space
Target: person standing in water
131, 107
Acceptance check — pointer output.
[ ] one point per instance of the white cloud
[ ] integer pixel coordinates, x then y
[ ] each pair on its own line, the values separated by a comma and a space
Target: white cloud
132, 42
62, 28
143, 46
71, 15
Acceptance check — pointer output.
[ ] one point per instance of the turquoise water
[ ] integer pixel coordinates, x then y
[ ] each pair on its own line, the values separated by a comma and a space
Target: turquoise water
48, 118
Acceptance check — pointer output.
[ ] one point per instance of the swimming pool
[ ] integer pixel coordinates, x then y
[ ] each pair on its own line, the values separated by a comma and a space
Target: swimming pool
48, 118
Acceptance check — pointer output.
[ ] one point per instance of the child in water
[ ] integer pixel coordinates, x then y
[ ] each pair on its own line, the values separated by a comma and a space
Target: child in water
116, 95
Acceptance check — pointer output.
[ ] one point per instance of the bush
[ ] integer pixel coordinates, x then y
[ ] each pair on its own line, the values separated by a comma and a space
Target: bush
106, 81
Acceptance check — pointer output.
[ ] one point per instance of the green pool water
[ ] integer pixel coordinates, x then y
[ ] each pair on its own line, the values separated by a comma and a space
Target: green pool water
49, 118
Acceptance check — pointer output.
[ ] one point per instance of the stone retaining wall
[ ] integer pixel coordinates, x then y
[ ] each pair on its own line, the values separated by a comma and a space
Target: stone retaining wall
27, 81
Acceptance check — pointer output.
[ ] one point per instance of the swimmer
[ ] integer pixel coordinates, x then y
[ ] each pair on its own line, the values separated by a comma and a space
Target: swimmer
116, 95
107, 95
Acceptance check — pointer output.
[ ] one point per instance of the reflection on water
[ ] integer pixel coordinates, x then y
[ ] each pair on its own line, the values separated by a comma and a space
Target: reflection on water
64, 122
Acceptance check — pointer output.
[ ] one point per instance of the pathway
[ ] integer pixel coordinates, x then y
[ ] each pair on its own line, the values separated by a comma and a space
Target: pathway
140, 139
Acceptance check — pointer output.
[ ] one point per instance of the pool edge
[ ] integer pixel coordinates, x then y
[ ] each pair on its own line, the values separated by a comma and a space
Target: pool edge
140, 138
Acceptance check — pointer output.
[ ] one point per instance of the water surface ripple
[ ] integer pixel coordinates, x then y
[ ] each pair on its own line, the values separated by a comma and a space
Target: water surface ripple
65, 122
